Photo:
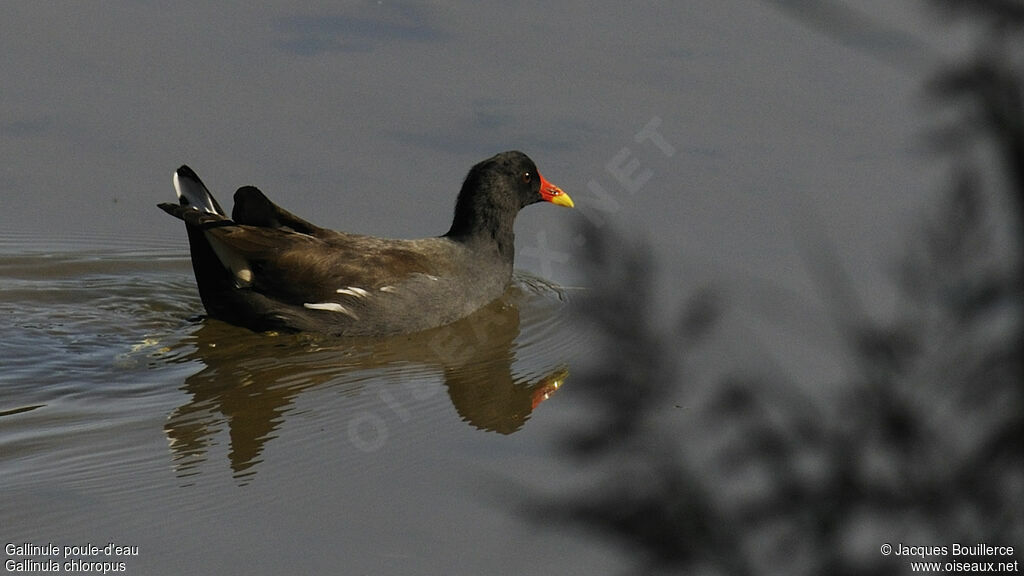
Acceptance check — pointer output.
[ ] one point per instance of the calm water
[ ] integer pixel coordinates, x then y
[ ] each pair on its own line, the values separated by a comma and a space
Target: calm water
128, 418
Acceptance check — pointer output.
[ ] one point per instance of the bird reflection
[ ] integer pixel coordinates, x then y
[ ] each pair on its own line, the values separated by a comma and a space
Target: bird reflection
250, 380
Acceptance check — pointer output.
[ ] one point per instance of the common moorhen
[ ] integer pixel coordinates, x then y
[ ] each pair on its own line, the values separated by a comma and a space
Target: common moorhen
267, 269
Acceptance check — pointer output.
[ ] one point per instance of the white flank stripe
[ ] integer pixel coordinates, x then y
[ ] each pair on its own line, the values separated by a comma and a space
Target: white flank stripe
331, 307
353, 291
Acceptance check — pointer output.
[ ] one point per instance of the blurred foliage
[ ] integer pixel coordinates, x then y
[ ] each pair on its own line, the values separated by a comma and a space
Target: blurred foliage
921, 444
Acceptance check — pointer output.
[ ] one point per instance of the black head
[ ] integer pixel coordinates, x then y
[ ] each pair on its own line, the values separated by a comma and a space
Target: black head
496, 189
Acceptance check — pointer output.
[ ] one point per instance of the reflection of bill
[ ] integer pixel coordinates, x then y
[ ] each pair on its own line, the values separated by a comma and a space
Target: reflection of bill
249, 381
546, 387
500, 403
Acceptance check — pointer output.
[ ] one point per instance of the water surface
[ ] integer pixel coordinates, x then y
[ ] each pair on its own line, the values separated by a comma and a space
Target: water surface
128, 417
125, 417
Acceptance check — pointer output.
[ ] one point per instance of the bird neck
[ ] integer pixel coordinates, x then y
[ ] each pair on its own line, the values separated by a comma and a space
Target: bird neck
481, 225
498, 239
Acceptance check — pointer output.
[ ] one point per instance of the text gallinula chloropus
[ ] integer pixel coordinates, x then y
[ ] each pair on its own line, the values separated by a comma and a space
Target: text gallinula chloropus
266, 269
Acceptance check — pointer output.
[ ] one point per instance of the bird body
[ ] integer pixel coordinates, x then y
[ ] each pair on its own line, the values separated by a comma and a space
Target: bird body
266, 269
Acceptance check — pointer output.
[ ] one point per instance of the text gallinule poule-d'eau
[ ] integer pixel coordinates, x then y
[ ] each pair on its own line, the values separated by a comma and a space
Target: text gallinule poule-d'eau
266, 269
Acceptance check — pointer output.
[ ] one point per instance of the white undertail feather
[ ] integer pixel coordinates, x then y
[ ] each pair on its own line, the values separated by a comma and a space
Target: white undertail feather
194, 193
198, 197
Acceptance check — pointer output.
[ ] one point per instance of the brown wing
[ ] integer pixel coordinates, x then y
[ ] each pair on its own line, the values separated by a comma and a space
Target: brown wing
296, 268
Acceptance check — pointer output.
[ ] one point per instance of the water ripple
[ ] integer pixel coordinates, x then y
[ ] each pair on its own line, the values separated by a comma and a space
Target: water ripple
103, 342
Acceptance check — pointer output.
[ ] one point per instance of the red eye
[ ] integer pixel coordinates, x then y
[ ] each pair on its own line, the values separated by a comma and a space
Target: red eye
526, 177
